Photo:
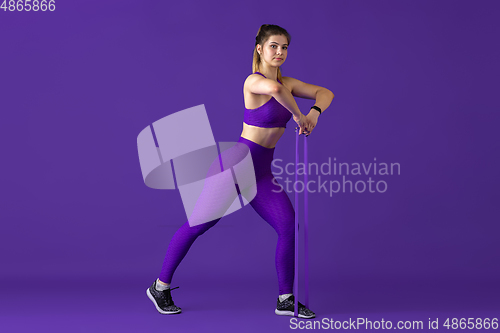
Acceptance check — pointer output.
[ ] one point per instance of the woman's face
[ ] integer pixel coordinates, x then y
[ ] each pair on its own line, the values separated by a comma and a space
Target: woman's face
274, 50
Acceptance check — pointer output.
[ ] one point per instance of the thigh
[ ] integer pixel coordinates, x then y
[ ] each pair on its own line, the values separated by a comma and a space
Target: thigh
215, 194
273, 204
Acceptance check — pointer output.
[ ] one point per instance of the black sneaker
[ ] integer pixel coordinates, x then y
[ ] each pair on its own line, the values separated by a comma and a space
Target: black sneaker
162, 300
286, 308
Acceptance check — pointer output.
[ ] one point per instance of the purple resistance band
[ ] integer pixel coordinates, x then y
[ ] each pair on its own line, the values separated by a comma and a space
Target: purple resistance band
306, 243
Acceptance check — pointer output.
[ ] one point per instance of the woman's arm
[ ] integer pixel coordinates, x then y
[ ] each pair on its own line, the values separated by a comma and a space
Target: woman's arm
260, 85
301, 89
322, 96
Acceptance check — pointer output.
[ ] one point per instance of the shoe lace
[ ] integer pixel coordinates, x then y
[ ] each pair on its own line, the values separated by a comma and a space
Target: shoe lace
166, 294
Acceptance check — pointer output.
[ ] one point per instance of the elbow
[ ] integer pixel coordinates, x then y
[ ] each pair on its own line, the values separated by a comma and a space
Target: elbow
331, 94
276, 89
326, 92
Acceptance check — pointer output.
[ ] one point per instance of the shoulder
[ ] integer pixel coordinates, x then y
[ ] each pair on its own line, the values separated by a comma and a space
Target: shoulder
253, 77
250, 81
301, 89
289, 82
258, 84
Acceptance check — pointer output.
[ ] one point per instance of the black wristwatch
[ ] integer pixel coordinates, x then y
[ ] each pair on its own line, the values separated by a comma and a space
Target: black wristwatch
316, 108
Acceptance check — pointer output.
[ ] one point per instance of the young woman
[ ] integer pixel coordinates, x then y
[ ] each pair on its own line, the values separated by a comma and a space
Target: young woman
269, 105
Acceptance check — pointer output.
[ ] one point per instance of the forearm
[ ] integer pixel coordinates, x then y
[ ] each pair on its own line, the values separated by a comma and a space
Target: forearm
285, 98
324, 98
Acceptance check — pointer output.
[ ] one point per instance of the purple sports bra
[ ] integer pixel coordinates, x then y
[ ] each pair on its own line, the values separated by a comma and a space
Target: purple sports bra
271, 114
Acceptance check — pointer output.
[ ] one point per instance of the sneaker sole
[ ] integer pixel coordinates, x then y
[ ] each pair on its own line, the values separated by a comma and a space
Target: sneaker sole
290, 313
156, 305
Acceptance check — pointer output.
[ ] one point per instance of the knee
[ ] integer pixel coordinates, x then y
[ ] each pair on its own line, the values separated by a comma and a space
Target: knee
287, 228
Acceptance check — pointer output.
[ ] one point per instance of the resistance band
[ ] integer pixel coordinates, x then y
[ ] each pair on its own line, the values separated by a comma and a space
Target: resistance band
306, 243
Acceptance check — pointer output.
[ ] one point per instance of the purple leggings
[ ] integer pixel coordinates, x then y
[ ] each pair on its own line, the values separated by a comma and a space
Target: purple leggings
272, 205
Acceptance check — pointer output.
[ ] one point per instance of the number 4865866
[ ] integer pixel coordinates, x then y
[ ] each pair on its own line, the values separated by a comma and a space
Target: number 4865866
28, 5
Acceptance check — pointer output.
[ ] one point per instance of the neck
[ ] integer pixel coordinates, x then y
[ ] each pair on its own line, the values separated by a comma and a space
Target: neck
269, 72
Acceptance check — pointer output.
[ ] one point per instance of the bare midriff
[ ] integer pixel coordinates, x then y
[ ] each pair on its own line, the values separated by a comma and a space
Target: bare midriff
266, 137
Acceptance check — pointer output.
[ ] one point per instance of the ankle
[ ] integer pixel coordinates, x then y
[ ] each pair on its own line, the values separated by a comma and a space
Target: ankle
284, 297
162, 285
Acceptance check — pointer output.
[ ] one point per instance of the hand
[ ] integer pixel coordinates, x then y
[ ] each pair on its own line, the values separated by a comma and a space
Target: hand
302, 122
306, 123
312, 116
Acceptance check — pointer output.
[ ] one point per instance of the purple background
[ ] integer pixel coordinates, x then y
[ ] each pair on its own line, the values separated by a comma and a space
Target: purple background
82, 237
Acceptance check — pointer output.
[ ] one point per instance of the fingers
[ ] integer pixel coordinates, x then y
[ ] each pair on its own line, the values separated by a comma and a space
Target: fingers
306, 131
308, 127
305, 126
302, 129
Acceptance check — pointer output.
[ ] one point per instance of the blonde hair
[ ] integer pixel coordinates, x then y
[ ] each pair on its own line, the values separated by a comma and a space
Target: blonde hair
266, 31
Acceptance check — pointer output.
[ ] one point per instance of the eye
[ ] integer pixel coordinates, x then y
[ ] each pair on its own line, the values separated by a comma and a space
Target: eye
285, 47
273, 46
